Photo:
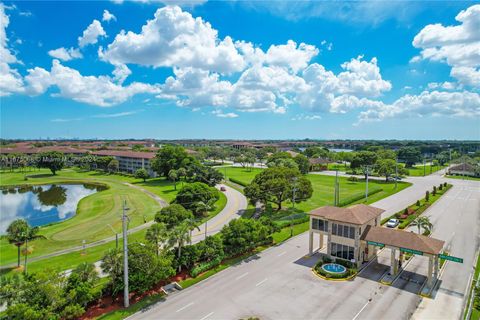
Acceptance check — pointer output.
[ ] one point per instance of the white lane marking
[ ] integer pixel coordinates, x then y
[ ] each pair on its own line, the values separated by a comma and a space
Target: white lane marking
240, 277
281, 254
261, 282
185, 307
356, 316
208, 315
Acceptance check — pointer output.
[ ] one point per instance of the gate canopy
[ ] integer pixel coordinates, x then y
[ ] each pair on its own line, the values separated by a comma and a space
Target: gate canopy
402, 239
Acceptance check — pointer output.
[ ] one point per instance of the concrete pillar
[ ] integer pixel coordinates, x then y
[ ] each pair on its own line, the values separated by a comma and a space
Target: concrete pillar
310, 242
320, 242
393, 262
430, 271
400, 258
435, 268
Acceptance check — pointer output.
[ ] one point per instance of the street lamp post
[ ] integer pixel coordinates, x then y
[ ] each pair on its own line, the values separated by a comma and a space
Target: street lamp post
366, 186
396, 172
126, 301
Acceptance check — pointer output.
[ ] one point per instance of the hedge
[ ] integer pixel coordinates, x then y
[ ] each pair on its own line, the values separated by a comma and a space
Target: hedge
285, 223
202, 267
358, 196
243, 184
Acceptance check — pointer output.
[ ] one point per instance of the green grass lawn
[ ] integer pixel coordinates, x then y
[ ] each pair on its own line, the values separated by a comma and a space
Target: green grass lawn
94, 212
244, 175
463, 178
418, 170
323, 188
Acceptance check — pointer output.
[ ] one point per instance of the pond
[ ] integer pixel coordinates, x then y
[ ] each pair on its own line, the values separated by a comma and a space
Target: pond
41, 205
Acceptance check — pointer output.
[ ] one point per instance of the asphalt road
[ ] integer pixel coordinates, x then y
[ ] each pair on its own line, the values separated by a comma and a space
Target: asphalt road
278, 283
236, 205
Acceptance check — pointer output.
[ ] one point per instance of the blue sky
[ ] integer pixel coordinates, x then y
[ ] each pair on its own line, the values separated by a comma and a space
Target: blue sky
240, 69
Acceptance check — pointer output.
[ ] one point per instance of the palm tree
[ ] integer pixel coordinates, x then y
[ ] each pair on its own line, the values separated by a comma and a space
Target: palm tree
157, 234
18, 232
180, 235
203, 208
422, 223
182, 172
173, 176
86, 272
192, 224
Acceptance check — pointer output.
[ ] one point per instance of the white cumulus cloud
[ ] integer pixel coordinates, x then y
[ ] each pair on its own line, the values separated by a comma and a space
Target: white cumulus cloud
65, 54
173, 38
91, 34
107, 16
457, 45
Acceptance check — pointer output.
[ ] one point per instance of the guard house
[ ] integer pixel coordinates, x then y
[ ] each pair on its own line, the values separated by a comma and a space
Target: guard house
355, 234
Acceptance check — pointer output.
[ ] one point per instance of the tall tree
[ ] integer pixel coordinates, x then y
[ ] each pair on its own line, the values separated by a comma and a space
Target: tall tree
195, 192
171, 157
53, 160
173, 215
156, 235
113, 166
302, 163
277, 185
385, 167
142, 174
363, 160
173, 176
410, 155
179, 237
18, 232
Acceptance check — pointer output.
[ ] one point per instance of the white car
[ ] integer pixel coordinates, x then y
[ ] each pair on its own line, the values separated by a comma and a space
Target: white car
392, 223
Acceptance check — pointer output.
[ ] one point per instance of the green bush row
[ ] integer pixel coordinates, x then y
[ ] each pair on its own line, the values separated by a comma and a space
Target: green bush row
243, 184
285, 223
358, 196
202, 267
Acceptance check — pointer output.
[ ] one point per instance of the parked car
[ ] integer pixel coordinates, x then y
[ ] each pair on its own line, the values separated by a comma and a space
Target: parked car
392, 223
222, 188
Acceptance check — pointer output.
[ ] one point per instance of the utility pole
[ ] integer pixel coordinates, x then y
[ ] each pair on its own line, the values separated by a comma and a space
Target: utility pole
396, 172
26, 254
293, 202
336, 198
424, 166
366, 186
126, 301
206, 224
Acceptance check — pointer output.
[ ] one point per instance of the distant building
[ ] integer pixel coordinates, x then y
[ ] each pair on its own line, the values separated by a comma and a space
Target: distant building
464, 169
318, 164
130, 161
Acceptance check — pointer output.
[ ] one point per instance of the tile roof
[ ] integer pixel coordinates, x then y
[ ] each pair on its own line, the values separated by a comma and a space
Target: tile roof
356, 214
127, 154
403, 239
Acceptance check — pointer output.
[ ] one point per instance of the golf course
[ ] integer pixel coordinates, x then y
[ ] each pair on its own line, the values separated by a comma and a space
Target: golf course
98, 216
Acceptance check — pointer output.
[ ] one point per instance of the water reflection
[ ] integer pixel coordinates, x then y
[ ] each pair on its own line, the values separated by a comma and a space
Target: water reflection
41, 205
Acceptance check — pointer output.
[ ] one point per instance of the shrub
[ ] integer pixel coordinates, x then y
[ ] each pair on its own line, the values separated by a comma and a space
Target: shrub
202, 267
405, 212
243, 184
358, 196
352, 178
440, 187
444, 184
418, 203
427, 196
434, 192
